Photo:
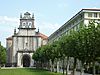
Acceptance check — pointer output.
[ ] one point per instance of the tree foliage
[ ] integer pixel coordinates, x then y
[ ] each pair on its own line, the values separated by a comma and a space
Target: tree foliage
83, 44
2, 55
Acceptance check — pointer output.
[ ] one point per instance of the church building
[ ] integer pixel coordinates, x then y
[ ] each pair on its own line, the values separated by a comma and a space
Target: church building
22, 44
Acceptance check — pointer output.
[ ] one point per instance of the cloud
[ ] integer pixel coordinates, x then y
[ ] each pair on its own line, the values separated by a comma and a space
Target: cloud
12, 22
47, 28
8, 20
7, 25
47, 25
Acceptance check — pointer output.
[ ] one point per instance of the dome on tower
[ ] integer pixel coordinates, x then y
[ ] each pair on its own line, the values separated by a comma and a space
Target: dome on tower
27, 13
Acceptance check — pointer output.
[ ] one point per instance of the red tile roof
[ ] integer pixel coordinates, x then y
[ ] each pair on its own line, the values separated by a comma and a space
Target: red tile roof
39, 34
9, 38
43, 36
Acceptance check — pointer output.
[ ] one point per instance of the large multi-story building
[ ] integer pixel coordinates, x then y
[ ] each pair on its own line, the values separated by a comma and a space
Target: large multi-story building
83, 16
22, 44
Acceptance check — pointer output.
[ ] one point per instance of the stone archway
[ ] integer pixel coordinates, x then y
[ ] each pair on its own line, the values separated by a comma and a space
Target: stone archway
26, 60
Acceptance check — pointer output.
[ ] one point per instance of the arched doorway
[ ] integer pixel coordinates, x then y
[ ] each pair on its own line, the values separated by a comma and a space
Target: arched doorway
26, 60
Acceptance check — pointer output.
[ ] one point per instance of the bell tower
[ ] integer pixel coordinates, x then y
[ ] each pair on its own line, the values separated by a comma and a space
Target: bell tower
24, 42
26, 21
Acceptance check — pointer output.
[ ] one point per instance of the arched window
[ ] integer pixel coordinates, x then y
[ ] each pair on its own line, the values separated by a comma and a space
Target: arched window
29, 24
23, 24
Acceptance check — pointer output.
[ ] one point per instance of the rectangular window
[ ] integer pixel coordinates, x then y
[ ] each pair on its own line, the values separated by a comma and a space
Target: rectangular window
95, 15
89, 14
99, 15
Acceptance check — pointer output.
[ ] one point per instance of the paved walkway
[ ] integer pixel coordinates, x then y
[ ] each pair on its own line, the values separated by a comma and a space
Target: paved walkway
77, 73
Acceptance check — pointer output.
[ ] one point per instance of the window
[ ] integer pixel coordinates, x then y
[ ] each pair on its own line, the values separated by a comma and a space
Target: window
99, 15
23, 24
95, 15
89, 14
29, 24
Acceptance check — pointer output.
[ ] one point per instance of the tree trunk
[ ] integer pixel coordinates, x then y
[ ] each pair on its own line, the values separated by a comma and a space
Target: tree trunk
58, 66
49, 65
74, 68
52, 66
0, 66
41, 65
82, 69
37, 64
93, 67
67, 66
63, 67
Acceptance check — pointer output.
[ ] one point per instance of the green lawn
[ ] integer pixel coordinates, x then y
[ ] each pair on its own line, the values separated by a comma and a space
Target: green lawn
25, 71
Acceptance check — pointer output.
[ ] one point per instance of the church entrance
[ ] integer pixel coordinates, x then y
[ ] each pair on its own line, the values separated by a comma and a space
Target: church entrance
26, 60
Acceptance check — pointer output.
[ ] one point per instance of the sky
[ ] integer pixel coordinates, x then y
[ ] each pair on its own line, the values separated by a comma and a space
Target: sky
49, 14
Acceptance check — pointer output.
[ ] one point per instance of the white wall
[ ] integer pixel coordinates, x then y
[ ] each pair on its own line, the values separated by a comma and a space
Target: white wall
26, 32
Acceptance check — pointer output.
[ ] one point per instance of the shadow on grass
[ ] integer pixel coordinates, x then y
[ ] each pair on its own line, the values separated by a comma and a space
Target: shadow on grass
35, 70
41, 71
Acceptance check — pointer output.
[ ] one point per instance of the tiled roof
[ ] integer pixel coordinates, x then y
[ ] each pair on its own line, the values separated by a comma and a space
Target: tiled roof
9, 38
43, 36
39, 34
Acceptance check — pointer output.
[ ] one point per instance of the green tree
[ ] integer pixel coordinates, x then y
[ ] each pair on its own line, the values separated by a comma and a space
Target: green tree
2, 55
88, 44
65, 51
94, 42
82, 47
72, 48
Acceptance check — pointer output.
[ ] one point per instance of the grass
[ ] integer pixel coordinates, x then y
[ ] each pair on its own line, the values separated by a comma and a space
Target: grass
25, 71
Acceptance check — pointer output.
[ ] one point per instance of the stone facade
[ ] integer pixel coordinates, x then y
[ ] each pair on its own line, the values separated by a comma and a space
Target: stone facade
21, 45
